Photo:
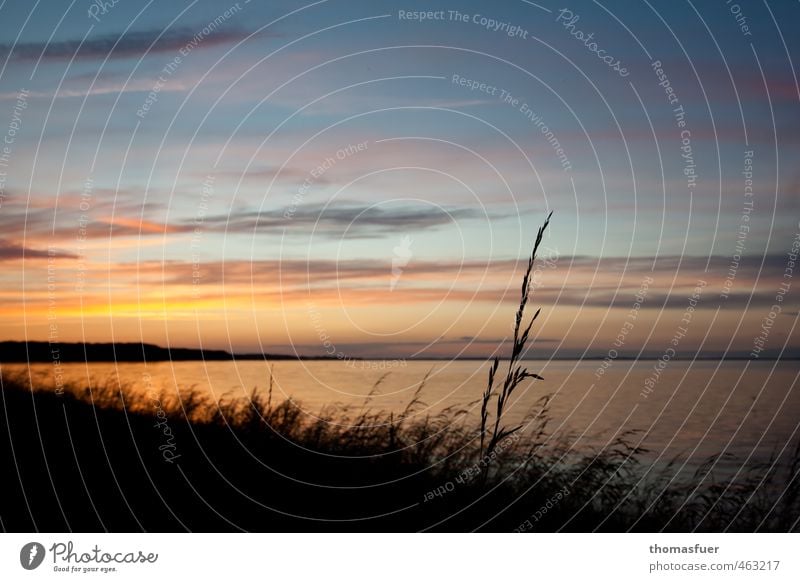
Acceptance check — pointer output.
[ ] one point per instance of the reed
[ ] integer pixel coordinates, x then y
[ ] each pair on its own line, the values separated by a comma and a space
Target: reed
516, 373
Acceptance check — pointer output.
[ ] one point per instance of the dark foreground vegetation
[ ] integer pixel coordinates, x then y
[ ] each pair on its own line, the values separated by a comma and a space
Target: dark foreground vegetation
115, 458
107, 460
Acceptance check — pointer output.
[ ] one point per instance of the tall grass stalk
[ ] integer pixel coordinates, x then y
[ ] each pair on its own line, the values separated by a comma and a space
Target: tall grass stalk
516, 373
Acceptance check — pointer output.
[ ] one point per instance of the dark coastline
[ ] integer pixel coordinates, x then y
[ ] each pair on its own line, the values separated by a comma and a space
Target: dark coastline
39, 352
67, 352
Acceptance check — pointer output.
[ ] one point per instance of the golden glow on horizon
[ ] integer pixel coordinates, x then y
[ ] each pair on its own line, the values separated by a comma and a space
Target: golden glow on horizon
450, 306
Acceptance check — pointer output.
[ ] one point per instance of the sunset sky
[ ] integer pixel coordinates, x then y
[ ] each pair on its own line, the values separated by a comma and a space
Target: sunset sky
342, 176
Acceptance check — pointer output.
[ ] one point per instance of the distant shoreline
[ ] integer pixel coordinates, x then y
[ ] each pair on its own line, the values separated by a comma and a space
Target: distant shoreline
14, 352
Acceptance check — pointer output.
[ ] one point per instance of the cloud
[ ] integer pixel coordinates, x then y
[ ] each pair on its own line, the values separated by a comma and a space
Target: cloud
572, 283
10, 252
119, 211
269, 173
131, 44
351, 220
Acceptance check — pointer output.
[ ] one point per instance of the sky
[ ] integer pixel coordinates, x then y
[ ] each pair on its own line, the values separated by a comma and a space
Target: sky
366, 179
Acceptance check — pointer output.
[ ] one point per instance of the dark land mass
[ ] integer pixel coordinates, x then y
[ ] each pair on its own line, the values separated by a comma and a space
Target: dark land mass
11, 351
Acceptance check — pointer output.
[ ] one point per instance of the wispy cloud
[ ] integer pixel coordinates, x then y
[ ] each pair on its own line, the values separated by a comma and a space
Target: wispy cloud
131, 44
573, 283
351, 220
11, 251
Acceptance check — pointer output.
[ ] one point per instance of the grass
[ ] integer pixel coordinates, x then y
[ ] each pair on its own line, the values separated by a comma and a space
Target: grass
517, 374
111, 457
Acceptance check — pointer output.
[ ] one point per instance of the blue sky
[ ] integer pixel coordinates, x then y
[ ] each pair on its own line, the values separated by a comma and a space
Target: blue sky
258, 101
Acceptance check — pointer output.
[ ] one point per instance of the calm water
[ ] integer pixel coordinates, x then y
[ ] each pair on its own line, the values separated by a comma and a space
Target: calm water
749, 409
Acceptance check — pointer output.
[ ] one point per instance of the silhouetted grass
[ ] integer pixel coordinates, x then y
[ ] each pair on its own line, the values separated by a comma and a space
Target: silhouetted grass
94, 459
516, 373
